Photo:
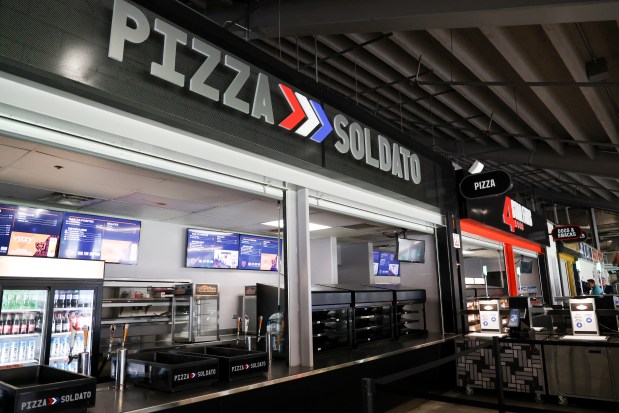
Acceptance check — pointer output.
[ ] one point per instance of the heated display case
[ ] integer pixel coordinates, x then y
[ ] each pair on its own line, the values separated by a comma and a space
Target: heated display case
62, 296
195, 313
372, 312
409, 305
331, 318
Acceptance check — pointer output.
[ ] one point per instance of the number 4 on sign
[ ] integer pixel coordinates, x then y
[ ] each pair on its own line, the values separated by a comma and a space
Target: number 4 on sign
508, 215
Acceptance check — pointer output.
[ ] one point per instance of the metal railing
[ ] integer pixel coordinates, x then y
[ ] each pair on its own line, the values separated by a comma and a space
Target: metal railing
368, 385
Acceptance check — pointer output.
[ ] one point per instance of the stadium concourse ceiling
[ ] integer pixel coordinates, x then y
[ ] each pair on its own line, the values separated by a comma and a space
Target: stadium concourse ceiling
527, 86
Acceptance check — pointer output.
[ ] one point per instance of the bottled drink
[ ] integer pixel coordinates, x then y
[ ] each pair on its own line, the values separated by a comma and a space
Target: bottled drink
68, 298
23, 328
56, 297
14, 351
73, 320
38, 323
53, 351
18, 300
7, 326
2, 320
58, 327
65, 323
31, 323
75, 298
10, 300
23, 349
5, 356
31, 350
61, 298
16, 324
54, 323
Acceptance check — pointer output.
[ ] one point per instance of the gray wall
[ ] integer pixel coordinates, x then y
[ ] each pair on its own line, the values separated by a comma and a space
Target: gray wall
323, 255
425, 275
162, 256
355, 263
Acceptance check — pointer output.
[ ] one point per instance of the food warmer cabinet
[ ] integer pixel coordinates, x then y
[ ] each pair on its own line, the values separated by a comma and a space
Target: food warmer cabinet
331, 318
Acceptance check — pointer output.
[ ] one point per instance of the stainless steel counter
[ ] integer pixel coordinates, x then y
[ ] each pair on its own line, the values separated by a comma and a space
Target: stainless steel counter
142, 400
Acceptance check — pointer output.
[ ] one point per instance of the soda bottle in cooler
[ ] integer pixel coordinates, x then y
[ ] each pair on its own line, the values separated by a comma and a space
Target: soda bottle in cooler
53, 350
75, 299
65, 323
67, 298
14, 352
5, 356
60, 300
7, 325
58, 328
23, 350
31, 323
16, 323
38, 323
31, 350
10, 302
23, 328
2, 321
18, 300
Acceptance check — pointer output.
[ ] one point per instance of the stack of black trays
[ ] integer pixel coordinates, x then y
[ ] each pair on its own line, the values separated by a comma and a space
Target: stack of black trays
409, 305
45, 389
331, 318
372, 312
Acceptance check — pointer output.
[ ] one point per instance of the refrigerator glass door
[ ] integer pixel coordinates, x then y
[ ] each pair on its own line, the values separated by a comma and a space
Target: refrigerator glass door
206, 322
181, 325
22, 326
73, 310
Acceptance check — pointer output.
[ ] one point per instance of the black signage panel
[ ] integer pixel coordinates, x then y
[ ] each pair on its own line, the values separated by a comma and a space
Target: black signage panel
567, 233
127, 57
508, 215
493, 183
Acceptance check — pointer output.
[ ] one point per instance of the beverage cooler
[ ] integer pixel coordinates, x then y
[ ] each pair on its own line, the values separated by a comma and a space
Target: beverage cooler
43, 300
195, 313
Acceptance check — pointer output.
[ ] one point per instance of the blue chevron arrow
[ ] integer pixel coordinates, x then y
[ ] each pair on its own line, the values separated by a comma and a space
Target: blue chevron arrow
326, 127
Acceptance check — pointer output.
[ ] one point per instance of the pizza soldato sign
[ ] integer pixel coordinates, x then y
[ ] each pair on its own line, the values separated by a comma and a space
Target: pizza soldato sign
306, 117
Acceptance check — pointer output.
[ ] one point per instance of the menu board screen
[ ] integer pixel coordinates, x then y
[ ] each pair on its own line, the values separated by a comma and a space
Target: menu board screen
31, 232
376, 262
7, 213
258, 253
212, 249
388, 265
90, 237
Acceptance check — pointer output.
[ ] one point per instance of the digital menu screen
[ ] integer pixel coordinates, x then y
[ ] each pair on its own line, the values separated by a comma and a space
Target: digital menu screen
7, 213
388, 265
31, 232
376, 262
258, 253
90, 237
212, 249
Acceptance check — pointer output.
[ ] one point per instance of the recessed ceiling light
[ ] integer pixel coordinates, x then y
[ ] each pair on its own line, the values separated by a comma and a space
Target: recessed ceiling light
312, 226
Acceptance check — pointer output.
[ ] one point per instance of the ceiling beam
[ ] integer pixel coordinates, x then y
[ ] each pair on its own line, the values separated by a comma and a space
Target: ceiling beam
575, 201
515, 53
323, 17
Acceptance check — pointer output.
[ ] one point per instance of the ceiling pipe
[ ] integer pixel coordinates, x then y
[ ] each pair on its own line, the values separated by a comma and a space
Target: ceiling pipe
469, 53
513, 51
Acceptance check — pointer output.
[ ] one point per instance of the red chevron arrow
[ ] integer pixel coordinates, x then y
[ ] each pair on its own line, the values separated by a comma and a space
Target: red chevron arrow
297, 114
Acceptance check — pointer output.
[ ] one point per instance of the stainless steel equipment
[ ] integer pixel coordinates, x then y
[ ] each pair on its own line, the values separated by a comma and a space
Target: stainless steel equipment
195, 313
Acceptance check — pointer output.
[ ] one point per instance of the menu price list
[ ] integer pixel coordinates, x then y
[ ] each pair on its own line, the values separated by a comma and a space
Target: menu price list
212, 249
258, 253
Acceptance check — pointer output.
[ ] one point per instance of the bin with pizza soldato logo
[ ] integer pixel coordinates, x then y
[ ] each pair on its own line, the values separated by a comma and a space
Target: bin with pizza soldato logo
43, 389
171, 372
234, 363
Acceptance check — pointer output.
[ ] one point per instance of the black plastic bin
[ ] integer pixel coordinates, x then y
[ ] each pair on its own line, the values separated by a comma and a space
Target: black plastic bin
45, 389
234, 363
171, 371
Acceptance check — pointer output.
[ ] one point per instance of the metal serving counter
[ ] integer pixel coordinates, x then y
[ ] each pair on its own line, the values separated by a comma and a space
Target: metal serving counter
142, 400
543, 365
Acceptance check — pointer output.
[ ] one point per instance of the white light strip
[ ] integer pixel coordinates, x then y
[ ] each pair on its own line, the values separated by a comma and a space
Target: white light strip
312, 226
360, 213
27, 131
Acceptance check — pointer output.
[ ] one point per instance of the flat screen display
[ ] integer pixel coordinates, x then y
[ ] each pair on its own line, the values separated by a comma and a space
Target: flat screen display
30, 232
258, 253
376, 262
411, 250
514, 317
388, 265
91, 237
526, 267
212, 249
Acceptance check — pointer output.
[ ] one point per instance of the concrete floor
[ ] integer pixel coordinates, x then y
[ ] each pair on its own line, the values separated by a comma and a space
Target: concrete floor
427, 406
